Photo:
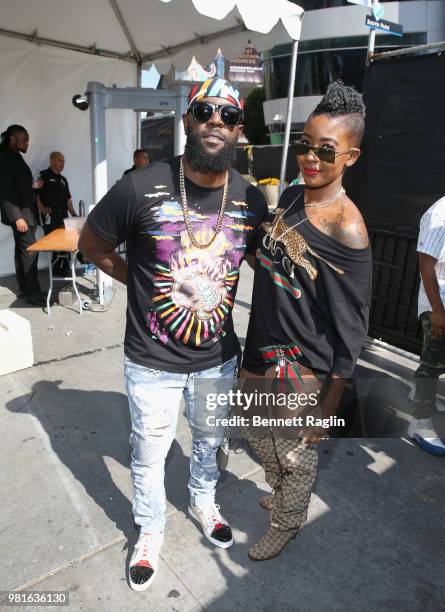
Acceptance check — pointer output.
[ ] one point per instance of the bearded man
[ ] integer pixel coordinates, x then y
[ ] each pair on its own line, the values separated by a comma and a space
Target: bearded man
19, 210
188, 223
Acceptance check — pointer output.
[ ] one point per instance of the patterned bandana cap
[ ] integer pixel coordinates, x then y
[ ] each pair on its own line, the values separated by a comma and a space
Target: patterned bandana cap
216, 88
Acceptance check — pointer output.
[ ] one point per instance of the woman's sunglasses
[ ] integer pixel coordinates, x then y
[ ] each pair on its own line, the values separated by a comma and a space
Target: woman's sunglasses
323, 153
203, 111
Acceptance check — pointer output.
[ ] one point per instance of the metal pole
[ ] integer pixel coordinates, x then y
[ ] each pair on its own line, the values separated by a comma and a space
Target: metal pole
138, 114
98, 140
290, 104
181, 107
371, 46
49, 42
99, 162
371, 38
439, 46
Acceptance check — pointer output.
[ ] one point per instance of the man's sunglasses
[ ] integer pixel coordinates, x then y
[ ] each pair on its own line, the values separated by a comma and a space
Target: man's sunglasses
203, 111
323, 153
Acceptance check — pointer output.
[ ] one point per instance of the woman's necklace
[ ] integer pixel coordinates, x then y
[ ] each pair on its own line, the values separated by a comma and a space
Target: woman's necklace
274, 240
340, 191
185, 210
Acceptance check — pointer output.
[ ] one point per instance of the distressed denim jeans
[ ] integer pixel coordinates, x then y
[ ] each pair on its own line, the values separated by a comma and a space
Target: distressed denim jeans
154, 398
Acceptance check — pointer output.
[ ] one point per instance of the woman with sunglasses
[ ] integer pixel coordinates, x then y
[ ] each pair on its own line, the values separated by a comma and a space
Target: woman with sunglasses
313, 262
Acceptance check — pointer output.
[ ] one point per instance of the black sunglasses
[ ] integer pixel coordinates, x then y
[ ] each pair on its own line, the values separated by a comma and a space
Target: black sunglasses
323, 153
203, 111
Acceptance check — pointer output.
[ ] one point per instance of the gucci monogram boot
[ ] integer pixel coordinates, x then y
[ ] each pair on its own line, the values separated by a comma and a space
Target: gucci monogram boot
271, 544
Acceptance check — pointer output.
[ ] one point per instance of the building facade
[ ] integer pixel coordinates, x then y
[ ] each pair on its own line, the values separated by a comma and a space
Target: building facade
334, 41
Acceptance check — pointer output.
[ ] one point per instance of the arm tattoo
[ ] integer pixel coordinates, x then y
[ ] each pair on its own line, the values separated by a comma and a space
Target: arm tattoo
353, 235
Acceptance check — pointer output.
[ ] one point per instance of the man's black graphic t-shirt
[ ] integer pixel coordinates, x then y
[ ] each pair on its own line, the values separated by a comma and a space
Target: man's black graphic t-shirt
180, 298
311, 294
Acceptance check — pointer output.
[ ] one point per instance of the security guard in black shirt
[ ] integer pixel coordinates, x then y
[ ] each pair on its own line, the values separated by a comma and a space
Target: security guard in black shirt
54, 202
54, 198
19, 210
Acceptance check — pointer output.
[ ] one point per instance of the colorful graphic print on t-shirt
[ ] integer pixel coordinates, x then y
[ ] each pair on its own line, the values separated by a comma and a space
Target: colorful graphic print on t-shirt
194, 288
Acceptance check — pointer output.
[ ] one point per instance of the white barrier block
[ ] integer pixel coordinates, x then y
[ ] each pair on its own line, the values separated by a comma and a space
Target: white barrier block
16, 351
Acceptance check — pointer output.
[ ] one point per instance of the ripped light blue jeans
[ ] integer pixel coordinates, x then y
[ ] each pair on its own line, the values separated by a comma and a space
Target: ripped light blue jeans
154, 398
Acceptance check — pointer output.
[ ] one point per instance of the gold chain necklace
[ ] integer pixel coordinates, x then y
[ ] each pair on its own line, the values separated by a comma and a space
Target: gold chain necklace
185, 210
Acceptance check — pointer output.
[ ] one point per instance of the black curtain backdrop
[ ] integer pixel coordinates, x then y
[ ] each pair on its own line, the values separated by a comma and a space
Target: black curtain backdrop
400, 174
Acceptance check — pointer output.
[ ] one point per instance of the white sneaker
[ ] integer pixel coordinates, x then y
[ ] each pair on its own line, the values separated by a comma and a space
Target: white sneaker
144, 561
422, 432
216, 529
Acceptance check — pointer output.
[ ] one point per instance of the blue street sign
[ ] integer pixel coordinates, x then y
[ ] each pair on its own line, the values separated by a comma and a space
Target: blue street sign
384, 26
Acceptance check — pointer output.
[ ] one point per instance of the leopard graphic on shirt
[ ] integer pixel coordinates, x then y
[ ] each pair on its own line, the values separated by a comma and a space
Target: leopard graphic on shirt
295, 245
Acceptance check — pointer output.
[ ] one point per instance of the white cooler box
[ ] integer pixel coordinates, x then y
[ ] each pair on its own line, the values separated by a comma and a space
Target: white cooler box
15, 343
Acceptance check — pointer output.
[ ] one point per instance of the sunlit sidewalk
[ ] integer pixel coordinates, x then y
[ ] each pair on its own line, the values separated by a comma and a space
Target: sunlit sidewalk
373, 541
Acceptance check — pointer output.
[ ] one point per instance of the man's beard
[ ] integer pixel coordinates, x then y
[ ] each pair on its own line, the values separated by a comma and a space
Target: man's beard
201, 160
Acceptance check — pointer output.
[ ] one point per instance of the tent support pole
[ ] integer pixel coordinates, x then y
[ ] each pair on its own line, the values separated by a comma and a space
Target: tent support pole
181, 108
60, 44
290, 104
138, 113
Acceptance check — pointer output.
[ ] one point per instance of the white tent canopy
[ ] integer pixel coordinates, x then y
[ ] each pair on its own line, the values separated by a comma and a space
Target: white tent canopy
50, 49
166, 32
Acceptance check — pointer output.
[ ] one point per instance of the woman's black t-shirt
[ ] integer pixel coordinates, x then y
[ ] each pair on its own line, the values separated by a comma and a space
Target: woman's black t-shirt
310, 292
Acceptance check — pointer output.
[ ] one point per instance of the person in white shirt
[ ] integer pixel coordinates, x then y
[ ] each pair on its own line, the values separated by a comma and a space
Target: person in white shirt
431, 311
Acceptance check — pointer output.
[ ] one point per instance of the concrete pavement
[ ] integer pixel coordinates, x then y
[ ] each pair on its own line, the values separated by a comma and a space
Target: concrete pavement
374, 540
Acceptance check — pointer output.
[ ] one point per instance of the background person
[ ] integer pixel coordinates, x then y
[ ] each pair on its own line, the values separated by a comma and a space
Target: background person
431, 311
54, 202
54, 197
141, 159
19, 210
